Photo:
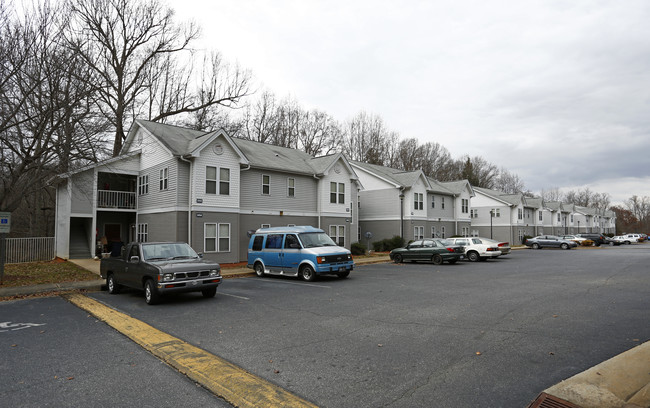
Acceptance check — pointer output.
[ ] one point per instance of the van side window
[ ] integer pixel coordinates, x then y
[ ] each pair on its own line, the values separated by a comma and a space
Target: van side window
257, 243
291, 242
274, 241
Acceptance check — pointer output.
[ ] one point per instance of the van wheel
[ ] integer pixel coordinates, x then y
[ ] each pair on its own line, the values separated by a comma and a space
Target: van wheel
343, 275
259, 269
307, 273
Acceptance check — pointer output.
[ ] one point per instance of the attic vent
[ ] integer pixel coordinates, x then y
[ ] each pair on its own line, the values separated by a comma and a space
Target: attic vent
548, 401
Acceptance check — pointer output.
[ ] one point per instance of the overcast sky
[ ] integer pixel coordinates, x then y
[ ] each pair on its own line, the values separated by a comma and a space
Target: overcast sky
557, 92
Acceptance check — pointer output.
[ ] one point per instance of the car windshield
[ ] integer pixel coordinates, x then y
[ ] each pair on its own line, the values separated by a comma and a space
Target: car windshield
167, 251
316, 239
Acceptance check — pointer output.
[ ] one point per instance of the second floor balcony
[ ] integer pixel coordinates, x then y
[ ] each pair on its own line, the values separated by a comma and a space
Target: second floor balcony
121, 200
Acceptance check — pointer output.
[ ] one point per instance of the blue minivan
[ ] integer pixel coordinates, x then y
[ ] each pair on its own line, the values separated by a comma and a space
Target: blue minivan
302, 251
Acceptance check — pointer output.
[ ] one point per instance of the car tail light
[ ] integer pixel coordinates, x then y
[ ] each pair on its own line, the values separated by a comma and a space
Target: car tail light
503, 244
492, 249
451, 249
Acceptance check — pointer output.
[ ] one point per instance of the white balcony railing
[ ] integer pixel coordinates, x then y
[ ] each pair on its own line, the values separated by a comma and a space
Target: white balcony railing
124, 200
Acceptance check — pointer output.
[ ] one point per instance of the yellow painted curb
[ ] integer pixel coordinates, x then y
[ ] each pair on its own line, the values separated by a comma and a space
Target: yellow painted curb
237, 386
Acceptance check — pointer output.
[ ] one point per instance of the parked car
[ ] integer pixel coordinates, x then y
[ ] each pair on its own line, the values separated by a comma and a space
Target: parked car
621, 239
550, 241
504, 247
573, 238
476, 249
598, 239
433, 250
302, 251
160, 268
611, 242
633, 237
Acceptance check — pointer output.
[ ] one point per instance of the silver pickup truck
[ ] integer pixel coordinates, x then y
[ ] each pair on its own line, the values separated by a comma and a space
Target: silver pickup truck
160, 268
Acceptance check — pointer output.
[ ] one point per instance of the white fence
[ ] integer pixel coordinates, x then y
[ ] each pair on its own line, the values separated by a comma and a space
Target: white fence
29, 249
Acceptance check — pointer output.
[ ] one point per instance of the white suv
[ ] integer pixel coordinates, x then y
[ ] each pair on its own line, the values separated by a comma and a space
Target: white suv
476, 249
632, 238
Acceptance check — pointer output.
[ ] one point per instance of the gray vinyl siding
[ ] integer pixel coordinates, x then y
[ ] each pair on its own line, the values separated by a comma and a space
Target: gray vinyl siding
380, 204
164, 226
350, 236
198, 228
438, 212
157, 198
82, 192
253, 222
182, 184
305, 199
380, 230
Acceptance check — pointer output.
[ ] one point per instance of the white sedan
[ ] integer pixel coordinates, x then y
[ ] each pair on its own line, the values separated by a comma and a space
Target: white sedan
477, 249
624, 239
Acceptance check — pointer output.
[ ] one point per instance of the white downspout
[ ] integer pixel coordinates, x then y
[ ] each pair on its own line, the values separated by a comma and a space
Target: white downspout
318, 198
189, 200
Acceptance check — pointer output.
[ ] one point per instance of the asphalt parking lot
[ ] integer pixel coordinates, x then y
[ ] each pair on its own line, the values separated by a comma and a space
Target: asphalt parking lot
488, 334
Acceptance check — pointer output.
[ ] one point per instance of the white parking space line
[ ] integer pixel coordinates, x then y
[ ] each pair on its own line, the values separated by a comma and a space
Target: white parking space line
289, 283
235, 296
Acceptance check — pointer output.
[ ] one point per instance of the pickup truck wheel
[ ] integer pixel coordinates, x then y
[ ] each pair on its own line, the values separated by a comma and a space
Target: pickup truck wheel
259, 269
151, 295
208, 293
113, 287
307, 273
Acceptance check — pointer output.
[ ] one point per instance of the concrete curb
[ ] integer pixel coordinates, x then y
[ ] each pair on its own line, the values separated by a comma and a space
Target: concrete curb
622, 381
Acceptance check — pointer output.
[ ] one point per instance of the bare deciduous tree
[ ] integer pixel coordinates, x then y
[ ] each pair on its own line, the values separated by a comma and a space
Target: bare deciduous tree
134, 47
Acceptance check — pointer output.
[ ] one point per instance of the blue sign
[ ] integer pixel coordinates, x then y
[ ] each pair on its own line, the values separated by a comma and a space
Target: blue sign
5, 222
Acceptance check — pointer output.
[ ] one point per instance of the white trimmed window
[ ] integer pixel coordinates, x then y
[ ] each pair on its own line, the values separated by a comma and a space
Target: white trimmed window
164, 178
496, 212
337, 233
442, 203
210, 180
464, 205
433, 232
465, 231
433, 201
337, 193
474, 213
216, 237
443, 232
143, 185
418, 232
224, 181
418, 202
540, 216
291, 187
520, 213
142, 232
266, 184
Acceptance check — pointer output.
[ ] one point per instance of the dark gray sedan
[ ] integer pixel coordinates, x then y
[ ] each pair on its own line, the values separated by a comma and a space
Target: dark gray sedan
550, 241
